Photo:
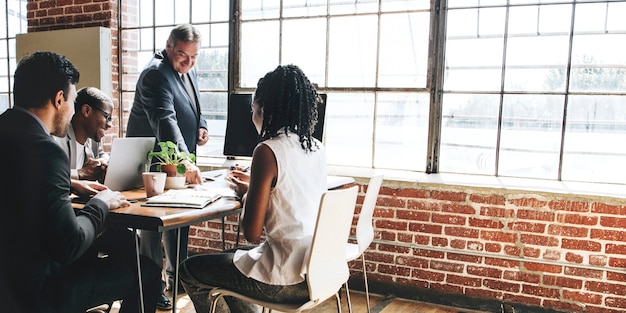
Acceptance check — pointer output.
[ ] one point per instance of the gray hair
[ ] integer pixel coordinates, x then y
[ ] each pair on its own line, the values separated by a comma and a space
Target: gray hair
184, 33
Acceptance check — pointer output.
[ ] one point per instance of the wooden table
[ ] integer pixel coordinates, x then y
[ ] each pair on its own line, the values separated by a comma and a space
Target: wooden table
160, 219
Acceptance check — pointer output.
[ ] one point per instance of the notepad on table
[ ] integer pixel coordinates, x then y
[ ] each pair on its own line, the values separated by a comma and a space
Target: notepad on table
184, 198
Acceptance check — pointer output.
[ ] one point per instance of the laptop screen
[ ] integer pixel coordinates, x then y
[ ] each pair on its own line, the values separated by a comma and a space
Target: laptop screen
128, 159
241, 136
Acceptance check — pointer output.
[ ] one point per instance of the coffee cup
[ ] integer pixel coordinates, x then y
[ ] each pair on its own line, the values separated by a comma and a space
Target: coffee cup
153, 183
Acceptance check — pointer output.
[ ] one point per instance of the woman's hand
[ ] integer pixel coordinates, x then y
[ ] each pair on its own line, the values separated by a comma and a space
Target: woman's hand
239, 180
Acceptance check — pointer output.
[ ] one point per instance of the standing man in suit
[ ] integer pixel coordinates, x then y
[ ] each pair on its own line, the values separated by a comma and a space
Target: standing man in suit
166, 106
46, 264
92, 117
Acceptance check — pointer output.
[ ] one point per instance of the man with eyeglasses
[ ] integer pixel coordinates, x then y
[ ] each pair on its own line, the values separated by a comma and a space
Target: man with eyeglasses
92, 117
167, 106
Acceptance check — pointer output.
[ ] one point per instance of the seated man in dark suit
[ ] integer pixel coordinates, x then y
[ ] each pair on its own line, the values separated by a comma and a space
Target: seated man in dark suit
46, 264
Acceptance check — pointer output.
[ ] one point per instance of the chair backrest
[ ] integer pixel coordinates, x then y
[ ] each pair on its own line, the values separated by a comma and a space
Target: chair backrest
364, 226
327, 268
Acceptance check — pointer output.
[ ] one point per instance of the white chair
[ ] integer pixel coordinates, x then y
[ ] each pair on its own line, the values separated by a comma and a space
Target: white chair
326, 269
365, 230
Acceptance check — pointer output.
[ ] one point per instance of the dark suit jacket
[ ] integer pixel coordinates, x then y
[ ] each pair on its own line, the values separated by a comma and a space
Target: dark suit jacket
39, 231
162, 107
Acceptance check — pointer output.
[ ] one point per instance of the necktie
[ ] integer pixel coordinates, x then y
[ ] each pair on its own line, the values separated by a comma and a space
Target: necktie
189, 87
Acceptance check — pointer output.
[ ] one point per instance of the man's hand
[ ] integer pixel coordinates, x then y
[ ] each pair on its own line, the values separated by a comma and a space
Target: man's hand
114, 199
193, 174
85, 188
203, 136
94, 169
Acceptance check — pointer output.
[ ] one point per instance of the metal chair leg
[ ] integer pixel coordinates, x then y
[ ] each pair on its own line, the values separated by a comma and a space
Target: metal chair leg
367, 292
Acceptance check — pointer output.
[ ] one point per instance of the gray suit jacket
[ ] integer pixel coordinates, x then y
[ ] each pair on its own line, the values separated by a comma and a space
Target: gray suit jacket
68, 144
162, 107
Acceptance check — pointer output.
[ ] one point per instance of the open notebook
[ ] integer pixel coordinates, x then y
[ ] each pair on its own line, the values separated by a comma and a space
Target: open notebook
184, 198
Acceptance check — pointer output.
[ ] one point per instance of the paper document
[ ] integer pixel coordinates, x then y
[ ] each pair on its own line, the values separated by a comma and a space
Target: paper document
184, 198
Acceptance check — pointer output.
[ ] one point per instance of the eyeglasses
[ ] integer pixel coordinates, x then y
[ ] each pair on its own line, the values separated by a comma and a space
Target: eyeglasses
107, 116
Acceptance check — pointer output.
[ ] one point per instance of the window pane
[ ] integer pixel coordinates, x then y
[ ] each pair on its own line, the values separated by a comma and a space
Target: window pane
212, 69
531, 62
403, 5
595, 127
146, 12
474, 64
401, 131
470, 3
302, 8
256, 62
531, 136
164, 11
352, 51
182, 12
304, 44
258, 9
469, 133
403, 56
348, 130
354, 6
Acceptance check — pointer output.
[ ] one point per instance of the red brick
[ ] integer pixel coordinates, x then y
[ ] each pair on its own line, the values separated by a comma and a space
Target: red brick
446, 266
493, 247
448, 195
394, 270
484, 271
448, 219
617, 277
406, 192
528, 202
458, 208
610, 235
391, 225
599, 260
585, 245
615, 222
429, 253
522, 277
394, 203
424, 206
614, 302
423, 240
604, 208
487, 199
458, 244
615, 249
464, 258
577, 219
463, 281
496, 212
439, 242
501, 285
573, 206
531, 252
426, 228
568, 231
553, 255
540, 267
527, 227
485, 223
541, 291
606, 288
582, 272
538, 240
412, 215
561, 281
512, 250
412, 262
475, 246
428, 275
617, 262
535, 215
461, 232
574, 258
498, 236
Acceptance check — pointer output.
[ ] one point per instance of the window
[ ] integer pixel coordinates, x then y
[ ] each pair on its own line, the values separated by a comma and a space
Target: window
518, 88
535, 89
14, 15
144, 28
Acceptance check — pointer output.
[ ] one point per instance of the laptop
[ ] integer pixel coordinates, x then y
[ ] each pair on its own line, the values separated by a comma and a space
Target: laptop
127, 160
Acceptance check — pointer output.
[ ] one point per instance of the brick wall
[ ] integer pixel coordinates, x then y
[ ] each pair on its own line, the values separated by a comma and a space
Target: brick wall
46, 15
560, 252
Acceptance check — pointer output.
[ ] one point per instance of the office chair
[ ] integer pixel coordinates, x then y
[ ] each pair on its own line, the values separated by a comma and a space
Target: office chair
365, 231
327, 268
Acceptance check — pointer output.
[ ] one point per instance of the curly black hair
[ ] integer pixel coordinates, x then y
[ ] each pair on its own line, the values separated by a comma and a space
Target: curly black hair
289, 103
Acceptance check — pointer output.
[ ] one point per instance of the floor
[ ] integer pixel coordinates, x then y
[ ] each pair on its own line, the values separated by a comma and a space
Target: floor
379, 304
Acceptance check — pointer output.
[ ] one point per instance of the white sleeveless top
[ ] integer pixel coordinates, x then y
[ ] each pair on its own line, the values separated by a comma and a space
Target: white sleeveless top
291, 214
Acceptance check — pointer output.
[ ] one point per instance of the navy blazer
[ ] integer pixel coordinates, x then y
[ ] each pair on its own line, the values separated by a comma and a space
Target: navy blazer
162, 107
40, 233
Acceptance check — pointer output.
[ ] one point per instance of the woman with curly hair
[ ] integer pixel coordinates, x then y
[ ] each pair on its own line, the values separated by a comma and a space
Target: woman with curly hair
281, 195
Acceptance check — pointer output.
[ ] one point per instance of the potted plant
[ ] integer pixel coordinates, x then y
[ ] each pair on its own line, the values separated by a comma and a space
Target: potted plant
171, 161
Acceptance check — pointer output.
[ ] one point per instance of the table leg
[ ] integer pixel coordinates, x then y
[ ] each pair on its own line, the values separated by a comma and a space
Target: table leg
139, 270
176, 263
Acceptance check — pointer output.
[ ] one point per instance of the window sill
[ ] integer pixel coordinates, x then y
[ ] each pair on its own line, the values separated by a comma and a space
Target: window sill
409, 179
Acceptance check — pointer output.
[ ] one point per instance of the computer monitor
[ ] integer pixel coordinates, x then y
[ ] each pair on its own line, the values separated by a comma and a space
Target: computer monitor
241, 136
